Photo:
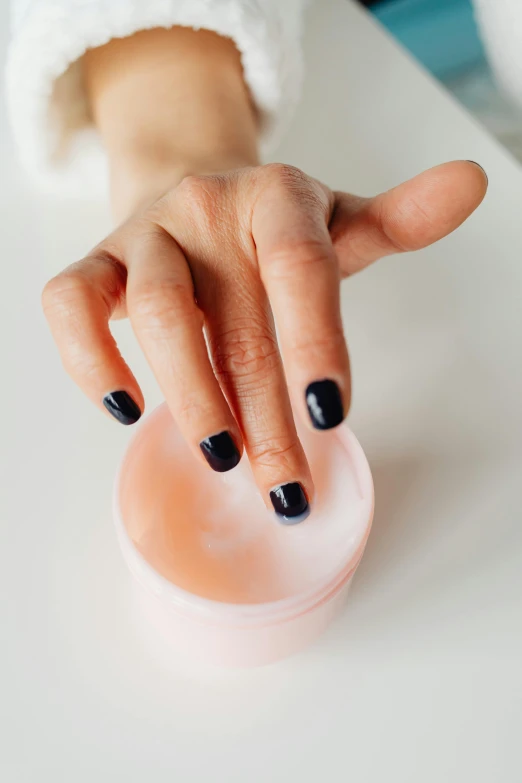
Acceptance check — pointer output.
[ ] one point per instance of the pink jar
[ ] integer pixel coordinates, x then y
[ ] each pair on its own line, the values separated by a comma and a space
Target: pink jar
221, 579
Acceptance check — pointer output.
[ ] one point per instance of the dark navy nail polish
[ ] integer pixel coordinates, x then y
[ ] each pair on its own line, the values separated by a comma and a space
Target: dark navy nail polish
220, 451
325, 404
480, 167
122, 407
290, 503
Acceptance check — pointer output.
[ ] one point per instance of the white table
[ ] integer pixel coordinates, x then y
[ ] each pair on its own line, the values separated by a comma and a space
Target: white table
420, 681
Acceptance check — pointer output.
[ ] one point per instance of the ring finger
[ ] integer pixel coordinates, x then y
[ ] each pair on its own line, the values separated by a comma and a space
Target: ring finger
248, 365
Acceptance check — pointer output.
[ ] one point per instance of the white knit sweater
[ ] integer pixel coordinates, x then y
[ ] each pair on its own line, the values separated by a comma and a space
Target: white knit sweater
46, 99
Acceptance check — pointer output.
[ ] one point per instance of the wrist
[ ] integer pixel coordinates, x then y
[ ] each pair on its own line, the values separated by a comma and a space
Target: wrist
168, 103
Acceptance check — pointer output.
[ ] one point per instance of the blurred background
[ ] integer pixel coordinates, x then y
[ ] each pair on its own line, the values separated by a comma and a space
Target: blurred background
444, 37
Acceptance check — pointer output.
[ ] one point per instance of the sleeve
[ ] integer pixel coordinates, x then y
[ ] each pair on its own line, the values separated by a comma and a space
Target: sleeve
500, 22
46, 100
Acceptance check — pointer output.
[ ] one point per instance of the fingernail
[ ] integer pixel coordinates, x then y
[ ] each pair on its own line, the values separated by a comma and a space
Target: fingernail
480, 167
290, 503
122, 407
220, 451
325, 404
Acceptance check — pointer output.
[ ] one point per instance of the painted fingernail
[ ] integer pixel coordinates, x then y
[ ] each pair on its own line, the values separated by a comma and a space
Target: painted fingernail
325, 404
220, 451
480, 167
290, 503
122, 407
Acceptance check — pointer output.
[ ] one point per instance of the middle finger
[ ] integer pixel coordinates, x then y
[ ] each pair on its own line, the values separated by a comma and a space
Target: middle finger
248, 365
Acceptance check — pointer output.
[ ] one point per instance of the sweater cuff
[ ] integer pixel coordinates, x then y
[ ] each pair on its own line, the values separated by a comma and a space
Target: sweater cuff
47, 103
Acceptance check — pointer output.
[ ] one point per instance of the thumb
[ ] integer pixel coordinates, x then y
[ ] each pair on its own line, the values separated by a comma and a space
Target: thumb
408, 217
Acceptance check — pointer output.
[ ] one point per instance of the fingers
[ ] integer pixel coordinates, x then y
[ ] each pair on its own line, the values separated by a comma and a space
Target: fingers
288, 259
408, 217
169, 327
248, 365
78, 304
301, 275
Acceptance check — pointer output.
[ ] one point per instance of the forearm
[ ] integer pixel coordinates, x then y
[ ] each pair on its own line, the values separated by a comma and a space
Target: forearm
168, 103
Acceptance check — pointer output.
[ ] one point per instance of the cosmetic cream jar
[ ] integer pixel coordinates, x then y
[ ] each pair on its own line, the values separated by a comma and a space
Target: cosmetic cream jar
221, 578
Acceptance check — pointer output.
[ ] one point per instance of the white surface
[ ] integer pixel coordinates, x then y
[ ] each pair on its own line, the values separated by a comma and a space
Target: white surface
421, 679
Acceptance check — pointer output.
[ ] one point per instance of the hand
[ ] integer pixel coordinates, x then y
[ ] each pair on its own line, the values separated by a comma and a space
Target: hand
210, 262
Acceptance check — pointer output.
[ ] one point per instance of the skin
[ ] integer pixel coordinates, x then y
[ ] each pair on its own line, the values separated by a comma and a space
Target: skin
211, 247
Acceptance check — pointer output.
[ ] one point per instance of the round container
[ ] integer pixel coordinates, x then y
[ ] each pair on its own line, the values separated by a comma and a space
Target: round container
221, 578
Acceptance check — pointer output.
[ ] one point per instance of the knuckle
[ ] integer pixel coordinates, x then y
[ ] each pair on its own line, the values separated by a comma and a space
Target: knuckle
194, 186
281, 452
395, 233
308, 254
290, 182
63, 291
246, 352
198, 192
202, 203
284, 182
160, 305
285, 174
80, 364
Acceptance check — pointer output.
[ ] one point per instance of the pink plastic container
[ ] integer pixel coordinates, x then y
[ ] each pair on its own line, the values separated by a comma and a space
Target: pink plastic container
220, 578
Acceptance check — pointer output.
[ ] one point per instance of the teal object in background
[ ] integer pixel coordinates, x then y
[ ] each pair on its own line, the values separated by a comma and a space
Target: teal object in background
442, 34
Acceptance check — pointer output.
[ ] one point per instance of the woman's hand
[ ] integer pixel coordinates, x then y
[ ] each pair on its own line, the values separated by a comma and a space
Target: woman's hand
203, 271
202, 264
